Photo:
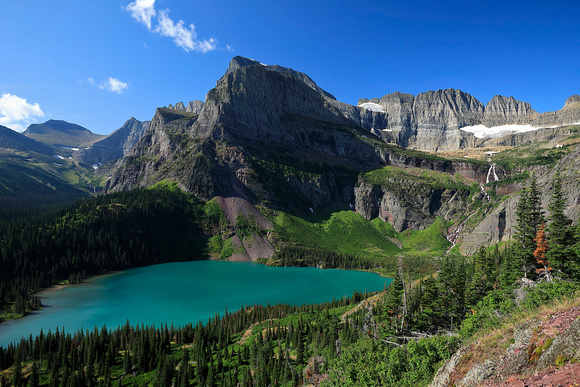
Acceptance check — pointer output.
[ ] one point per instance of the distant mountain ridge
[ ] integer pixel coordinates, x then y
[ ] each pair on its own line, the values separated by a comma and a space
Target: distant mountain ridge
13, 140
432, 120
60, 133
116, 145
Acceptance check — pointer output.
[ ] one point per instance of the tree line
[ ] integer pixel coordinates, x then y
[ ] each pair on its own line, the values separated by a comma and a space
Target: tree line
545, 246
95, 236
398, 340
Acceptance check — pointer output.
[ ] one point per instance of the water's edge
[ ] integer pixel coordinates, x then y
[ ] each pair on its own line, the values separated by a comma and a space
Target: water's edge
181, 293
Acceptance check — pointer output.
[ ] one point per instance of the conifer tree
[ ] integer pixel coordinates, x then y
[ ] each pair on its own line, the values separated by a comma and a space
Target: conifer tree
480, 282
529, 216
392, 304
560, 233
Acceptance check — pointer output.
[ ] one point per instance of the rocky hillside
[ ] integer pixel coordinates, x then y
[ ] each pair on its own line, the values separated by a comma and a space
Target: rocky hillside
116, 145
499, 224
432, 120
268, 134
539, 349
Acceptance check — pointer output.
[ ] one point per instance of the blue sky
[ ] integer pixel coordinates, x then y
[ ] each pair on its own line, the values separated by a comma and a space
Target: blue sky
98, 63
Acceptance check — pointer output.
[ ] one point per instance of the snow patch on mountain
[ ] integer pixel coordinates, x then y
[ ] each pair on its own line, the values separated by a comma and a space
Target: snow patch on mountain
375, 107
481, 131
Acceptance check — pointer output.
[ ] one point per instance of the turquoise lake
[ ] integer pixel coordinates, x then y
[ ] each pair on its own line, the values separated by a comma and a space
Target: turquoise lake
182, 293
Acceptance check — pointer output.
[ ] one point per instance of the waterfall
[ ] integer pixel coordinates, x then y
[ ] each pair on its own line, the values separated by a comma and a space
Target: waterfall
489, 171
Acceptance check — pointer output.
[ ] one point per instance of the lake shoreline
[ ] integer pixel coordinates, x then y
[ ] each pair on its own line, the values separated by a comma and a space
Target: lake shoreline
183, 292
61, 287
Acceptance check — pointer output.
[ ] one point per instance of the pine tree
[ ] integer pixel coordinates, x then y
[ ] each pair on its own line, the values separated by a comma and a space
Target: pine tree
17, 378
529, 216
479, 283
560, 234
127, 365
392, 304
33, 380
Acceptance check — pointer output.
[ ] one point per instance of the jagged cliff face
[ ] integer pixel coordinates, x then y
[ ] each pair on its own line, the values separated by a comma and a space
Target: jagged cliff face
266, 134
269, 135
257, 127
118, 144
569, 114
192, 107
431, 120
439, 115
503, 110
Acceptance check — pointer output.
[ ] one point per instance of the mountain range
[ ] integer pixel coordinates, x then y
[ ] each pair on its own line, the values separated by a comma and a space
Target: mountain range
271, 168
268, 135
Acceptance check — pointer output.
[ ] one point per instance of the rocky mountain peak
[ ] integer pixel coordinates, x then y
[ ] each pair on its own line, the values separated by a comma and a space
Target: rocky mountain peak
572, 102
507, 110
192, 106
239, 62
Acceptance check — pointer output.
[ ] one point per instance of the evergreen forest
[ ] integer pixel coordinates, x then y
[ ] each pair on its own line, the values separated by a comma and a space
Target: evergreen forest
400, 336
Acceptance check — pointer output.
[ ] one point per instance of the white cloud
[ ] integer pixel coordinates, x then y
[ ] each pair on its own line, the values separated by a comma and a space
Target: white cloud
143, 11
16, 113
182, 35
113, 85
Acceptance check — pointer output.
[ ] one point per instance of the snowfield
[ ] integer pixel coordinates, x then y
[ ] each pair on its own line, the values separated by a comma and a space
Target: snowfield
481, 131
375, 107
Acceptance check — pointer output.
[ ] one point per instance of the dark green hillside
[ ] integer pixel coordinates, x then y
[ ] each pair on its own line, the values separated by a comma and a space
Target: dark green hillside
29, 186
97, 235
14, 141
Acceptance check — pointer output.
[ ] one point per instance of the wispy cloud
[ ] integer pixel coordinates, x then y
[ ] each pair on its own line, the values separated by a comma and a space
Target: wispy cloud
183, 36
16, 113
111, 84
142, 11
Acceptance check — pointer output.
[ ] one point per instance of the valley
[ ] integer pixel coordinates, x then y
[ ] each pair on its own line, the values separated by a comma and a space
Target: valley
271, 169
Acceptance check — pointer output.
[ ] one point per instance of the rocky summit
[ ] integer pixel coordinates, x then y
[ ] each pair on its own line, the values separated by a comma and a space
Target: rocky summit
268, 134
432, 120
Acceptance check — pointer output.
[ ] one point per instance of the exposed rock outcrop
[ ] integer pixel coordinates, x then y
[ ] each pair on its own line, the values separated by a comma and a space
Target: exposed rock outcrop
192, 107
431, 120
267, 133
499, 224
537, 347
116, 145
411, 206
569, 114
507, 110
